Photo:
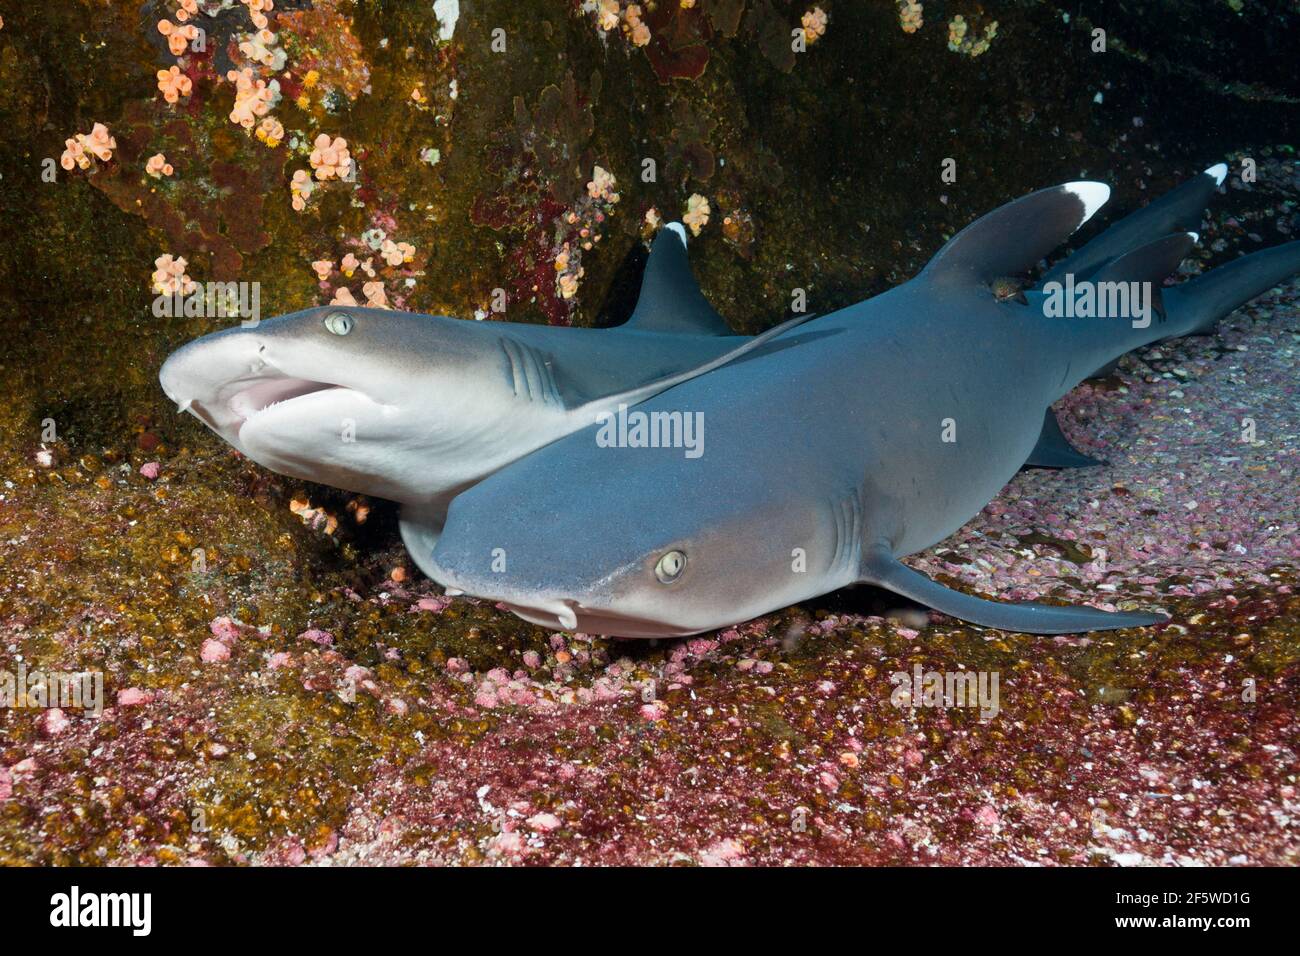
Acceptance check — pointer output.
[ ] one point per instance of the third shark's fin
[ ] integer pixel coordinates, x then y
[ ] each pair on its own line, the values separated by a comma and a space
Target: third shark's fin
882, 569
670, 299
1179, 210
609, 403
1054, 449
1012, 238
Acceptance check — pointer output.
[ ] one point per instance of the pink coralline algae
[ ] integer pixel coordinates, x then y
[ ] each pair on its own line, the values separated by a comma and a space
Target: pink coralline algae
82, 150
133, 697
214, 652
150, 470
724, 853
317, 636
54, 722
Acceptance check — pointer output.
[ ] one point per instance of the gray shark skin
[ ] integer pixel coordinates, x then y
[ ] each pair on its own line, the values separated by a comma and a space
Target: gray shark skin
825, 463
416, 408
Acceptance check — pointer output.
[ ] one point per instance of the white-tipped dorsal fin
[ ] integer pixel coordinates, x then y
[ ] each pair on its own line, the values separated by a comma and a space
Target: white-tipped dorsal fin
1219, 171
671, 300
1013, 238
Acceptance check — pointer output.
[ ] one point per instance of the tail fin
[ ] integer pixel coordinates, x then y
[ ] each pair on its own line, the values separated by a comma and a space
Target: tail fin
1178, 210
1197, 305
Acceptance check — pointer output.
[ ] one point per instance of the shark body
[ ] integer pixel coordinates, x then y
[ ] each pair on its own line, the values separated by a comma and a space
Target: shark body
875, 432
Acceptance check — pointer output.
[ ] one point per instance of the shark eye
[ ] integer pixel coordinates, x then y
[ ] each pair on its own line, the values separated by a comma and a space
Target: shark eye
340, 323
670, 567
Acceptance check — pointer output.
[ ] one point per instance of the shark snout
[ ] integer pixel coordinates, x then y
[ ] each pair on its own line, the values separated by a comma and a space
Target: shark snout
198, 371
548, 610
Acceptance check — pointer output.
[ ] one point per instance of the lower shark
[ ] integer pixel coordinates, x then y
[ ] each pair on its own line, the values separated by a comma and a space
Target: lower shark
416, 408
886, 428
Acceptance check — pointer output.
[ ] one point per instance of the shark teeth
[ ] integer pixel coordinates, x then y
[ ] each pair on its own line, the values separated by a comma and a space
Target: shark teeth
184, 406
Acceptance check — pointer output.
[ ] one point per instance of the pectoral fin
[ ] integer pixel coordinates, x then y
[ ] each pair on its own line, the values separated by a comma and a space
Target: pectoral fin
421, 527
881, 568
608, 404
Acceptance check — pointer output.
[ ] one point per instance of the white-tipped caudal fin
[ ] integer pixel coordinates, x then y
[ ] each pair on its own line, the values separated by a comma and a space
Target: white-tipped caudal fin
1179, 210
1013, 238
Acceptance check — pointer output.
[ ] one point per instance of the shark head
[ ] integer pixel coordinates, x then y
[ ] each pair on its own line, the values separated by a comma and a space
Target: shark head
632, 542
372, 401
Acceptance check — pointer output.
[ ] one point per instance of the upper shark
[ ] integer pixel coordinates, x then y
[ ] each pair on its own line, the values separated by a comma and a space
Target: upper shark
416, 408
885, 428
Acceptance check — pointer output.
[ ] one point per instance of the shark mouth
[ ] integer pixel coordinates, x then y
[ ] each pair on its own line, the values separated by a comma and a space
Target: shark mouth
268, 393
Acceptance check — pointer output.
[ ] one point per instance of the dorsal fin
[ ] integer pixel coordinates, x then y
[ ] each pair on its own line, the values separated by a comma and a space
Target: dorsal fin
633, 396
1178, 210
670, 299
1012, 238
1152, 263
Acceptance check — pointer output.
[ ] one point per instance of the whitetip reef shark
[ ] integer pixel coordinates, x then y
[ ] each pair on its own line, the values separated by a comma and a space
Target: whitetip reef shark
880, 431
416, 408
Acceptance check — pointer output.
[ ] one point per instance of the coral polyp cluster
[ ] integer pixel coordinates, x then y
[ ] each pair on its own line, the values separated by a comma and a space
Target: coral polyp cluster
81, 151
911, 15
169, 276
387, 261
962, 40
254, 97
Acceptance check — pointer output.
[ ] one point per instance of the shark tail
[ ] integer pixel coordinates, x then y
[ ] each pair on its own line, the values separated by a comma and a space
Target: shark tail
1197, 305
1178, 210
